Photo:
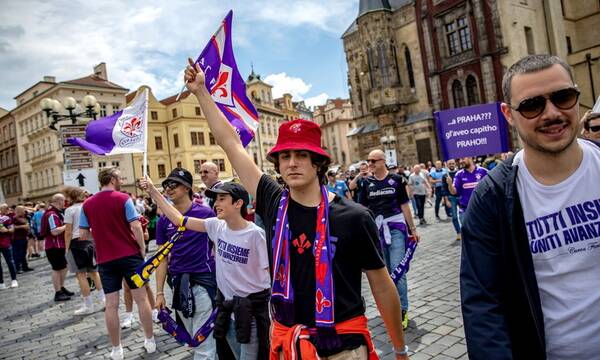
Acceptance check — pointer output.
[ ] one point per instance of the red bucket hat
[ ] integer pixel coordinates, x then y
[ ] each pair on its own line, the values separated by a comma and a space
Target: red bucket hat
298, 134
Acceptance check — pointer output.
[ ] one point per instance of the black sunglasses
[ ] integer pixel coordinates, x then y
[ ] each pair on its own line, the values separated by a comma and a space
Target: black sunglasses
373, 161
171, 185
563, 99
595, 128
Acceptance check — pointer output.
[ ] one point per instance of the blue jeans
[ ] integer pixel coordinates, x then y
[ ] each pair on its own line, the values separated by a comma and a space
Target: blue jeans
208, 349
8, 256
247, 351
454, 212
392, 255
461, 217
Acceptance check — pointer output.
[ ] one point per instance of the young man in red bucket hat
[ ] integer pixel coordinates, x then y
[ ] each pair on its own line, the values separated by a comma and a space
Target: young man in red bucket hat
319, 244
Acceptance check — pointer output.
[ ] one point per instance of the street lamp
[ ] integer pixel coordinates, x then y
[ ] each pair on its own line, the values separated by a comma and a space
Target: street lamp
389, 145
53, 108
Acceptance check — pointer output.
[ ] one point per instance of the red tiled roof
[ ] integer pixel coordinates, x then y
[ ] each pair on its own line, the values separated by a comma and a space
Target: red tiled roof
94, 80
130, 96
171, 99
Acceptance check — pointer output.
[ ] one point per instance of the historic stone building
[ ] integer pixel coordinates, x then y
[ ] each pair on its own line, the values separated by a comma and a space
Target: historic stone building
336, 120
40, 152
10, 180
270, 117
178, 136
388, 84
286, 105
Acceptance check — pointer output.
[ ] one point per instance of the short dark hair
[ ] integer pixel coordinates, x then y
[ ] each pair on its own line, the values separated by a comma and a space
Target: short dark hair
529, 64
106, 174
321, 162
588, 117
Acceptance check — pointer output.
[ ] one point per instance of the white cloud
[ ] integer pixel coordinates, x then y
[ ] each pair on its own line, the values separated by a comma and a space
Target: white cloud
282, 83
316, 100
143, 42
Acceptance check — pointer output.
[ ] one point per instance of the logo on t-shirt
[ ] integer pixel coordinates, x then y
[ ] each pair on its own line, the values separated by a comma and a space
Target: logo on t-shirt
301, 244
233, 252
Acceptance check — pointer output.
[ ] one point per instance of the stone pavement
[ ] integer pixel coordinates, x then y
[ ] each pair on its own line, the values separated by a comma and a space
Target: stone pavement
32, 326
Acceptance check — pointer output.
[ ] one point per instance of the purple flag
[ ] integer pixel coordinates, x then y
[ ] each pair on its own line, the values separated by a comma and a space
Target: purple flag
225, 83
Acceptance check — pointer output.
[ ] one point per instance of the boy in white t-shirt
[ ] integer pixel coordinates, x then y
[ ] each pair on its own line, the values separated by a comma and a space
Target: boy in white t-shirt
242, 268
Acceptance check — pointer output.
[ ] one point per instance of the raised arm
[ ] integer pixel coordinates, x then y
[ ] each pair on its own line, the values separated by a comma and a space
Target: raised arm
169, 210
222, 130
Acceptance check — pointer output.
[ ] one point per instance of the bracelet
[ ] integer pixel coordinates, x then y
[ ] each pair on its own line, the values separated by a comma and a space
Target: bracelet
403, 352
160, 293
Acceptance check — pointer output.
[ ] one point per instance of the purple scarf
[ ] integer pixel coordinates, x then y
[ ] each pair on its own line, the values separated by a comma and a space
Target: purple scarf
410, 246
282, 296
180, 333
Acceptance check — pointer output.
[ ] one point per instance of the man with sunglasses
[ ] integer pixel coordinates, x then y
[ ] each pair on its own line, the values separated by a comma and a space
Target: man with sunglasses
209, 173
591, 125
530, 264
191, 259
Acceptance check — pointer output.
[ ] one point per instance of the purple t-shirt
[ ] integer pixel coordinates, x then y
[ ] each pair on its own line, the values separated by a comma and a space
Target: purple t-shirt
192, 253
465, 182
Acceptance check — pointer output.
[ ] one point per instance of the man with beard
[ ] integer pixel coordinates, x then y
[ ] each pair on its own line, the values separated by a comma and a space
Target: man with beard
452, 199
120, 249
530, 264
465, 182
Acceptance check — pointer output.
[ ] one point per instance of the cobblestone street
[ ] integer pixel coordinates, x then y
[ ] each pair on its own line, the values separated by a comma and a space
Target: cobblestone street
33, 326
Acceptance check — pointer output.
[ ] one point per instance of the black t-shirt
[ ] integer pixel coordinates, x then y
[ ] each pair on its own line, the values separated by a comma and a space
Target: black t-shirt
384, 197
445, 188
354, 234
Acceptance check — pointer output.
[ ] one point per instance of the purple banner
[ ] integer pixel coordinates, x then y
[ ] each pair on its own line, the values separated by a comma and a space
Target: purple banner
472, 131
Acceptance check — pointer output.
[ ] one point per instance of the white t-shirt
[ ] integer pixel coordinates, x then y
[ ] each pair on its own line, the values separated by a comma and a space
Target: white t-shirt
72, 217
241, 258
563, 227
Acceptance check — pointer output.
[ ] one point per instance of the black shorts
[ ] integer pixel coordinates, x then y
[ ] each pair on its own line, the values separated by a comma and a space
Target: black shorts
113, 272
57, 258
84, 255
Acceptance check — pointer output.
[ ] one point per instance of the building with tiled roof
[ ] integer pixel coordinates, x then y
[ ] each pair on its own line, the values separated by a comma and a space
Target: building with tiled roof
336, 120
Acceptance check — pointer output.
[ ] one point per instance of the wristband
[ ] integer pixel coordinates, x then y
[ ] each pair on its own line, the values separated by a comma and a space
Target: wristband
160, 293
403, 352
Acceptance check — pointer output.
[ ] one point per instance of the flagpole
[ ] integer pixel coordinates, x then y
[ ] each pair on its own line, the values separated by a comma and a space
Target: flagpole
145, 159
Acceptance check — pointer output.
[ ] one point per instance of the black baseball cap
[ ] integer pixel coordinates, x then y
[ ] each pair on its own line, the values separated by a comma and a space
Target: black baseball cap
236, 191
181, 176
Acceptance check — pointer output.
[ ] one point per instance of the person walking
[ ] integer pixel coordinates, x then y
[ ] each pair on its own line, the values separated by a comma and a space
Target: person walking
6, 231
20, 240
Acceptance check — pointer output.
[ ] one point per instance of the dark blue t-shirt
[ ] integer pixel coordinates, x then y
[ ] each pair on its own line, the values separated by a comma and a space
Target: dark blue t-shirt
192, 253
384, 197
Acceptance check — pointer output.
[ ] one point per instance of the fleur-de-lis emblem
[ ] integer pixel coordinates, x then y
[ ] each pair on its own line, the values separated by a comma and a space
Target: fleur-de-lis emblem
220, 85
131, 126
295, 128
281, 275
301, 243
322, 302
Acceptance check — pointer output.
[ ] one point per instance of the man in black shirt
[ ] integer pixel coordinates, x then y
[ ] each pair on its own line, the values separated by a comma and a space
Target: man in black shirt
349, 231
384, 193
453, 199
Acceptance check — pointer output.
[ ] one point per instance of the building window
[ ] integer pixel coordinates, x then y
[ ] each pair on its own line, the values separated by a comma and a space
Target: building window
147, 169
370, 64
176, 140
211, 139
158, 142
472, 93
153, 115
174, 111
197, 137
383, 64
457, 94
115, 164
115, 108
179, 164
101, 164
458, 36
220, 163
197, 164
255, 156
161, 171
102, 110
569, 45
198, 112
409, 67
529, 40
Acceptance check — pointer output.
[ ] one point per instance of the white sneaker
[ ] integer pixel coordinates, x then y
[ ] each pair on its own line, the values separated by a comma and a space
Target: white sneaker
127, 321
117, 353
85, 310
150, 345
2, 286
100, 302
14, 284
155, 315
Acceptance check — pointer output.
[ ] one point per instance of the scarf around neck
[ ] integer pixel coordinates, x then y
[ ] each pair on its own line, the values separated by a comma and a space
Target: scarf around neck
282, 296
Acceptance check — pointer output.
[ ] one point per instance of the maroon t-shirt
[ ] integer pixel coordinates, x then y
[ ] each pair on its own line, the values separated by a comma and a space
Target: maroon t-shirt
20, 234
5, 238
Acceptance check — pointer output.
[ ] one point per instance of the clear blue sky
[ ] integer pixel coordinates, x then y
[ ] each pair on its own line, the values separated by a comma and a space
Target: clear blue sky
294, 45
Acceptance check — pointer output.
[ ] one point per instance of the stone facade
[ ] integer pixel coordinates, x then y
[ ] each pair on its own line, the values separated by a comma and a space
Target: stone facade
10, 180
336, 120
387, 83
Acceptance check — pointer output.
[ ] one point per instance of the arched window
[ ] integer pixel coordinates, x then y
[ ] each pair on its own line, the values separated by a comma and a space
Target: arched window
457, 94
409, 67
383, 65
370, 59
472, 93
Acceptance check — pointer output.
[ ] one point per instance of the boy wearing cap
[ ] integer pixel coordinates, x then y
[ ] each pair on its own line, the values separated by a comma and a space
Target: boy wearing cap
190, 265
310, 250
241, 267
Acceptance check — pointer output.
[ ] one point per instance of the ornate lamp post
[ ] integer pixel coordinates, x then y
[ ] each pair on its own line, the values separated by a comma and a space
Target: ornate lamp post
55, 110
389, 145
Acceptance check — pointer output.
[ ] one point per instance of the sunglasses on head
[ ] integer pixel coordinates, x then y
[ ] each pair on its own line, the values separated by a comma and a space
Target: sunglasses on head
563, 99
171, 185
